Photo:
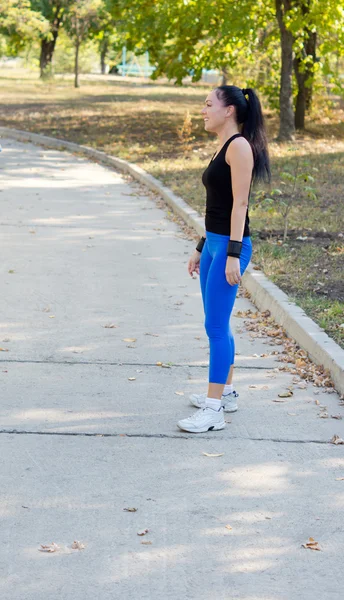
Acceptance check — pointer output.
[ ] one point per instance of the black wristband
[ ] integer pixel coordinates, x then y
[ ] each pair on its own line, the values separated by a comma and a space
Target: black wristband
234, 248
200, 244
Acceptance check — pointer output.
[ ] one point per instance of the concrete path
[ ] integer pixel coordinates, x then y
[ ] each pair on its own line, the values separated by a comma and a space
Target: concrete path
83, 247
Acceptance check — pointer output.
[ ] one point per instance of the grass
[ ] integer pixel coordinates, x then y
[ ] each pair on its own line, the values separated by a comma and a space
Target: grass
138, 121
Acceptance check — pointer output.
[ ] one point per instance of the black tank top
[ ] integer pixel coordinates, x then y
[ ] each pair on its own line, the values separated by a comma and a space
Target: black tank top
218, 183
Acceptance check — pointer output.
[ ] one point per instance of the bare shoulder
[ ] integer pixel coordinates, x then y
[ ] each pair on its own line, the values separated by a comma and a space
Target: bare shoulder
239, 150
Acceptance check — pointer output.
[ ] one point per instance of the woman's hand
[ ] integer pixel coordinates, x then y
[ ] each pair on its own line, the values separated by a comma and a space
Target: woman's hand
193, 264
233, 274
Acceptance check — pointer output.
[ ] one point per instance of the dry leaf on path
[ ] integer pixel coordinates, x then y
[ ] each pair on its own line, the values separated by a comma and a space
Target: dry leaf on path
131, 378
49, 548
312, 544
207, 454
292, 414
142, 532
179, 393
337, 440
130, 509
339, 479
285, 394
76, 545
229, 527
129, 340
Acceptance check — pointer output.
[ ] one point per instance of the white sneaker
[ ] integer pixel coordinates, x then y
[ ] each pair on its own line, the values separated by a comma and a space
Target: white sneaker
228, 402
203, 420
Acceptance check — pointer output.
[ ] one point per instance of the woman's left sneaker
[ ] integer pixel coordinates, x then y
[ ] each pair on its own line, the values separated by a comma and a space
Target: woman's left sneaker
203, 420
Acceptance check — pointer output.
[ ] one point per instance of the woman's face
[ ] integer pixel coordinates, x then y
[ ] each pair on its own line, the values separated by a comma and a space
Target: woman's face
214, 113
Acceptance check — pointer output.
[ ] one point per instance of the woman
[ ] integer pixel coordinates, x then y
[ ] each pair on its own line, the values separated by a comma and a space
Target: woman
222, 255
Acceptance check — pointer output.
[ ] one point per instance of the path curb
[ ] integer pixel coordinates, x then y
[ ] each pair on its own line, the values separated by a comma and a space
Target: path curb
265, 294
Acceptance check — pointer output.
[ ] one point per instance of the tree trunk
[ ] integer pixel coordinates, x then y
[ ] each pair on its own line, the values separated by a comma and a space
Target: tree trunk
104, 46
287, 125
48, 46
225, 75
76, 70
46, 56
304, 94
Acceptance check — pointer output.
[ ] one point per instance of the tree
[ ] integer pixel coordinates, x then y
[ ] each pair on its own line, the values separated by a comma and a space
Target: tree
287, 125
104, 32
187, 36
20, 24
81, 18
54, 12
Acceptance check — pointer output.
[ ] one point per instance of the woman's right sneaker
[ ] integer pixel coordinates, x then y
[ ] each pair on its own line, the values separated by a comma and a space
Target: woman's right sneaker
228, 402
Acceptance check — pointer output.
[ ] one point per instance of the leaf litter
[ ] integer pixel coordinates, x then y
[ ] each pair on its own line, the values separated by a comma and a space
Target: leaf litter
263, 325
311, 544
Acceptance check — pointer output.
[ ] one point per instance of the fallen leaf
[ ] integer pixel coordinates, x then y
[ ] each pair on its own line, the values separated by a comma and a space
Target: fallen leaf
129, 340
130, 509
159, 364
76, 545
285, 394
143, 532
52, 317
278, 400
311, 544
339, 417
292, 414
131, 378
339, 479
11, 271
337, 440
3, 349
229, 527
49, 548
179, 393
316, 402
110, 326
207, 454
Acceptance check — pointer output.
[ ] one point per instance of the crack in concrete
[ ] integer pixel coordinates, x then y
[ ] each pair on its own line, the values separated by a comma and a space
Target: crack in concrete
120, 364
159, 435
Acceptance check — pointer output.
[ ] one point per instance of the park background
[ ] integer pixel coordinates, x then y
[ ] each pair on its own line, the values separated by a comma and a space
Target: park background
131, 77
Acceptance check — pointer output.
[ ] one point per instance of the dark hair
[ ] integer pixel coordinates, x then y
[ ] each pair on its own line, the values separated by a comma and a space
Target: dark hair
249, 114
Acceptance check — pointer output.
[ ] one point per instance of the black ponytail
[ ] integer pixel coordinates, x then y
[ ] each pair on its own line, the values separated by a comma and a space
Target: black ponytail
249, 114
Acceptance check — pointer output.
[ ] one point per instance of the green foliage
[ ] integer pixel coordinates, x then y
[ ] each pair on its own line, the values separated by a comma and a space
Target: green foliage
20, 25
64, 56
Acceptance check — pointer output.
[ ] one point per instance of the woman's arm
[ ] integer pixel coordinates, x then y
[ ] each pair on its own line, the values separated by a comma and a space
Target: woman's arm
240, 158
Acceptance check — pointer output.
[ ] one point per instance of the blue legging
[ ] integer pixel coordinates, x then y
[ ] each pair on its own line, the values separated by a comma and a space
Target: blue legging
218, 300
